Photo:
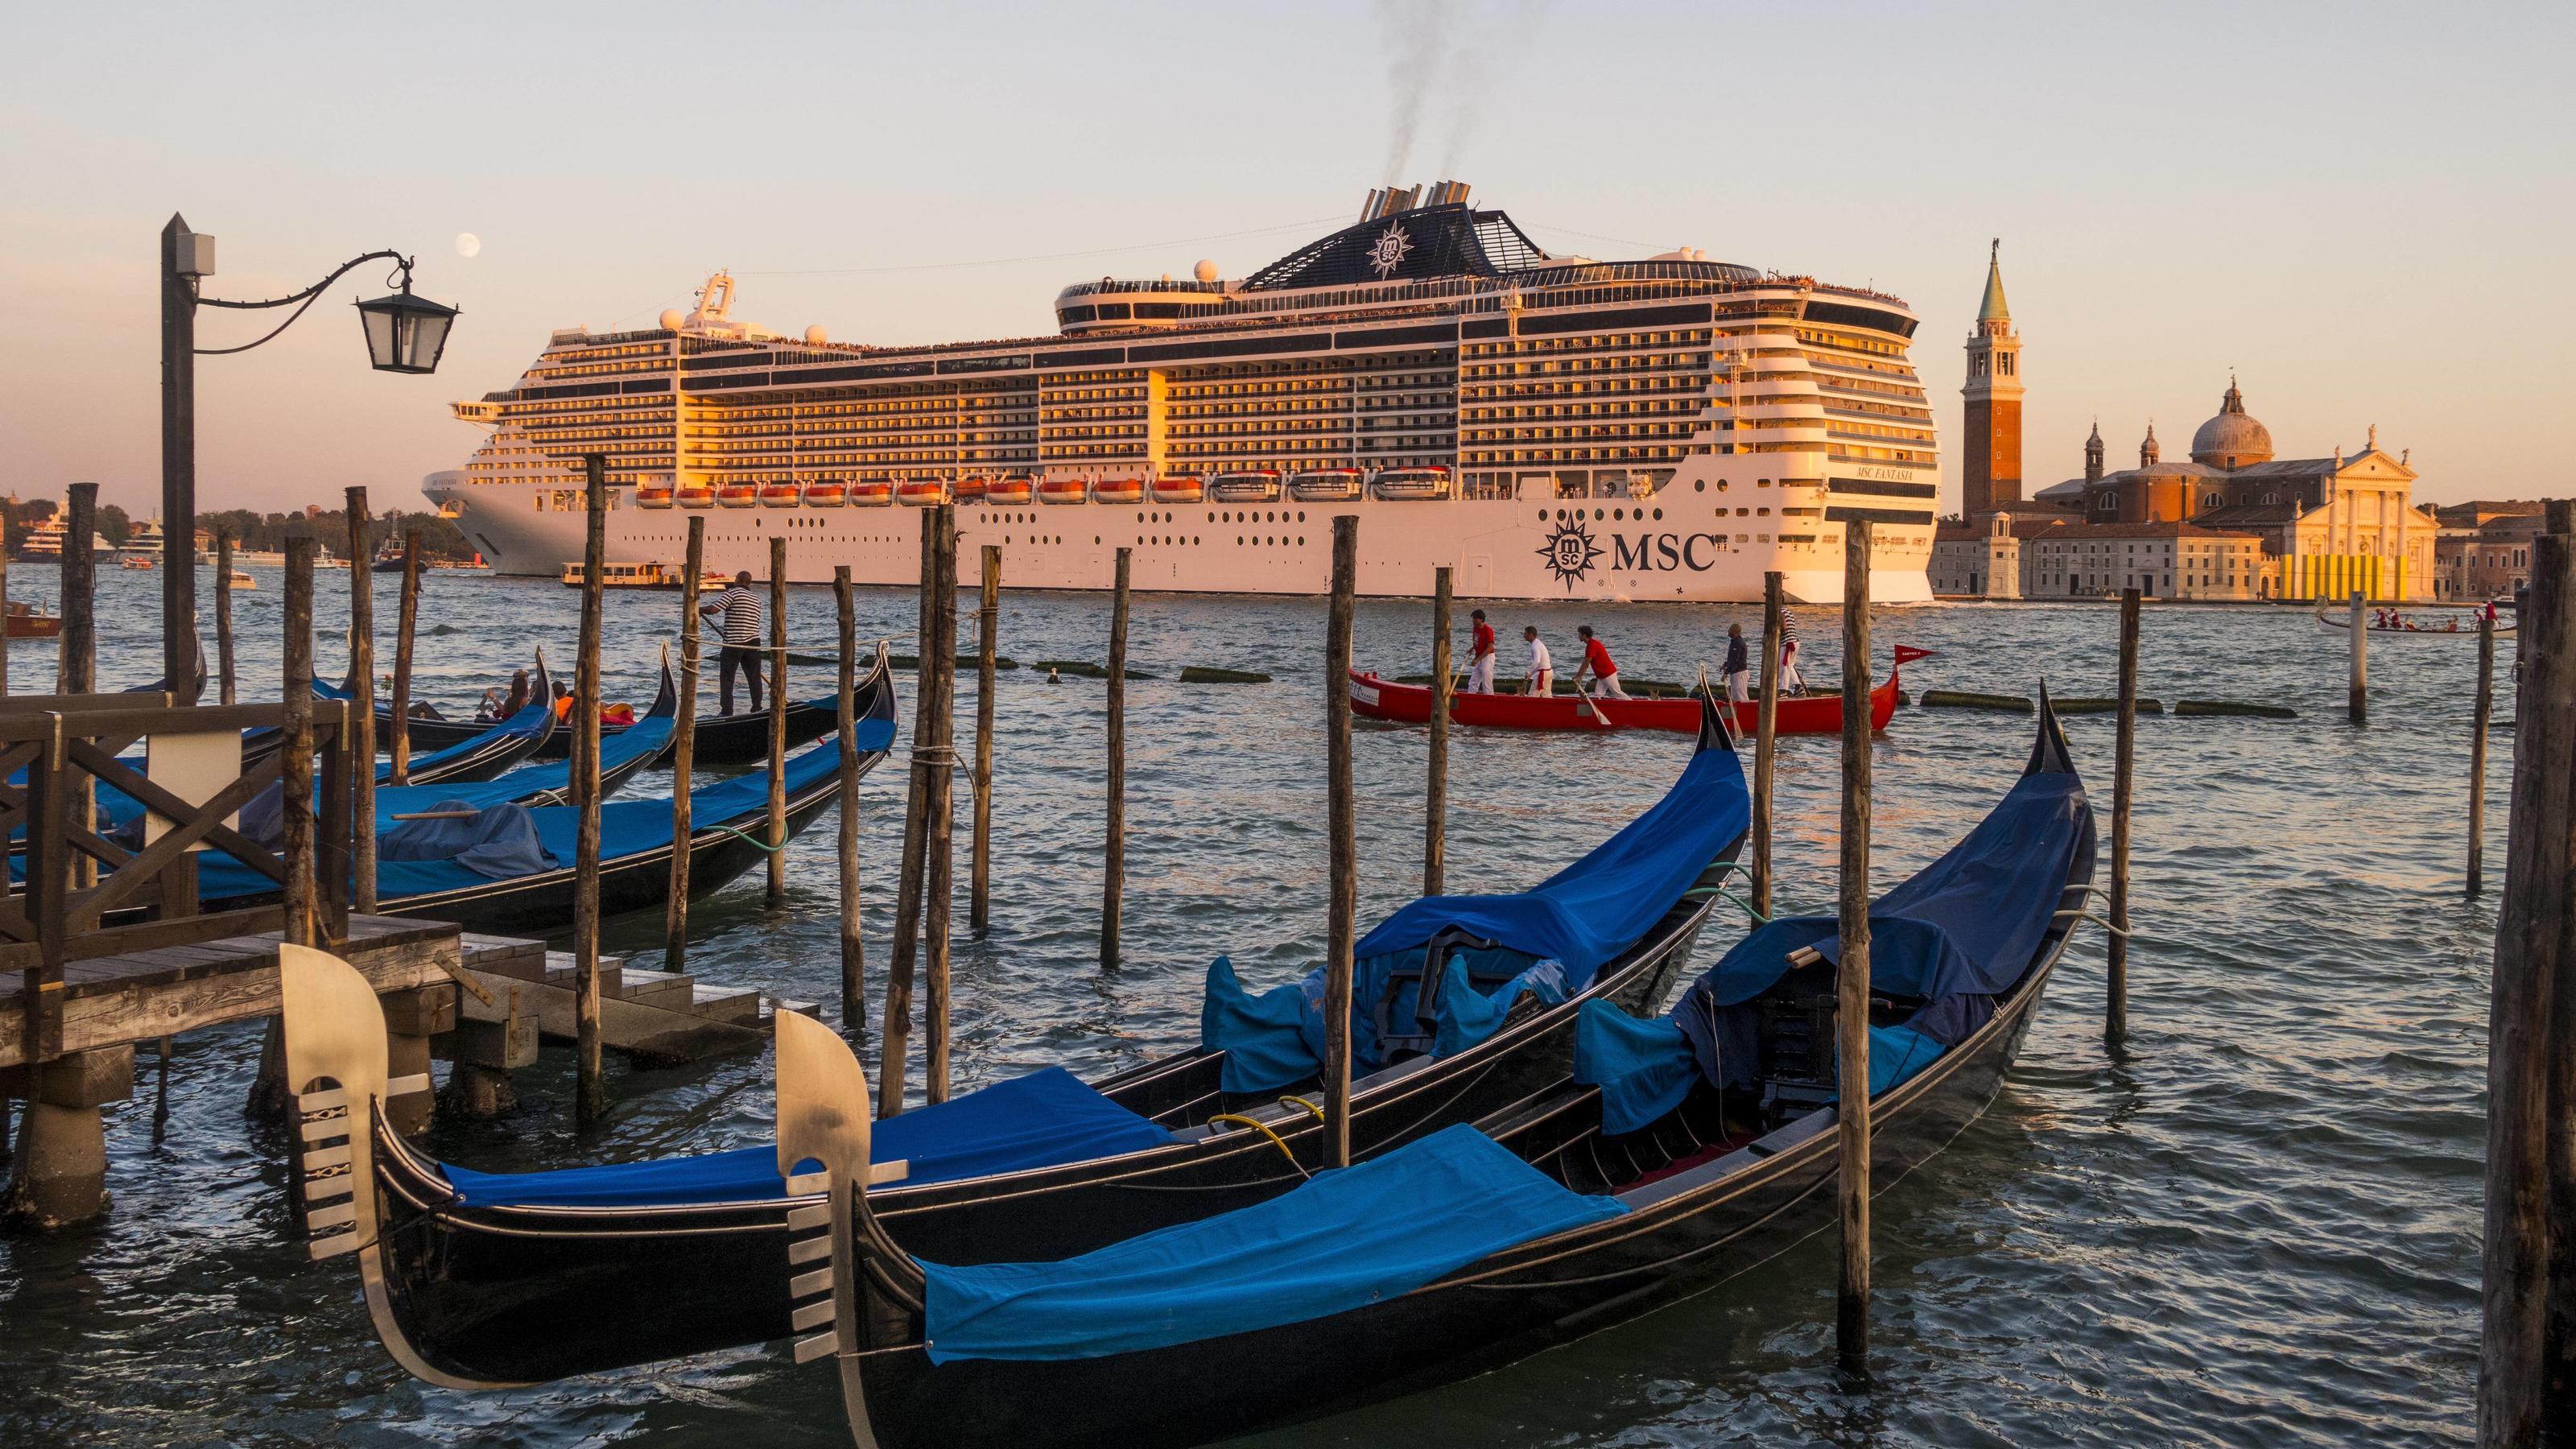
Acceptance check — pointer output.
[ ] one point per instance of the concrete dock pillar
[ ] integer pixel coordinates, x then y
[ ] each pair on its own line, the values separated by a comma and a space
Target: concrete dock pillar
60, 1168
411, 1019
485, 1053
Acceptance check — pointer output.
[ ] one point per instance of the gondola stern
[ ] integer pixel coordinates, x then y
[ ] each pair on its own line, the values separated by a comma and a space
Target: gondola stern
1716, 730
2048, 753
543, 692
666, 702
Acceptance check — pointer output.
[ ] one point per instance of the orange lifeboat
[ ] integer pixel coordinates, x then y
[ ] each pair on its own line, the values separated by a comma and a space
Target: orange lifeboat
738, 495
652, 495
781, 495
826, 495
922, 492
871, 493
971, 490
1119, 490
1007, 491
1179, 488
1063, 490
697, 495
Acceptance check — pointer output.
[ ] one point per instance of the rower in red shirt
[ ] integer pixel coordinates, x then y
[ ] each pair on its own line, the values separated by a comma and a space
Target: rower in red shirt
1480, 657
1596, 662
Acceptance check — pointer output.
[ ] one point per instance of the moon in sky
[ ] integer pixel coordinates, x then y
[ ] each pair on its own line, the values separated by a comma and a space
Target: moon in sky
467, 243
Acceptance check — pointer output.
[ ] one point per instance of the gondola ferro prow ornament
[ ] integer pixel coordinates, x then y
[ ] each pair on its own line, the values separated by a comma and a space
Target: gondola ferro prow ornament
823, 1102
336, 1063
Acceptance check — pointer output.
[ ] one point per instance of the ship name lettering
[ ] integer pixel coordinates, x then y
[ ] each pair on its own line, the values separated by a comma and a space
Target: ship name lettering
1650, 552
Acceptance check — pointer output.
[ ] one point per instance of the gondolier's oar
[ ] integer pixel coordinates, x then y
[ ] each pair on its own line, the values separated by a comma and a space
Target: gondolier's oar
1588, 708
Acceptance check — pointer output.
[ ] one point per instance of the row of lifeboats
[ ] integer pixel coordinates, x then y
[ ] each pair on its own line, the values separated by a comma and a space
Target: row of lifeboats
1260, 485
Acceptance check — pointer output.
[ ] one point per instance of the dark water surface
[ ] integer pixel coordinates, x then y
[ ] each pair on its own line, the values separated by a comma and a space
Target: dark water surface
2260, 1228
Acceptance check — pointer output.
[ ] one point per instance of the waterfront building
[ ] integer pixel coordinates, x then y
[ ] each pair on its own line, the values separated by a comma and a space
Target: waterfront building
2331, 525
1548, 426
2484, 549
2039, 556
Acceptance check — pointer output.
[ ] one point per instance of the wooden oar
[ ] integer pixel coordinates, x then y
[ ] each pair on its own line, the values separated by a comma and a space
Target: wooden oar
1589, 709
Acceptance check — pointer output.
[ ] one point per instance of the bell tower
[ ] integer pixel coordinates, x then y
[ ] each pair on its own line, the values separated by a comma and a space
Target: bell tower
1990, 476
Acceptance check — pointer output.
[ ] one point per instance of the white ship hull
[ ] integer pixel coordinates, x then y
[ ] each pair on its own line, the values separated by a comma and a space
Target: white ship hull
1685, 544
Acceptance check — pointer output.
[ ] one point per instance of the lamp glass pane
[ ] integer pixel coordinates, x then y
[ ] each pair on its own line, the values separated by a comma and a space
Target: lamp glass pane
380, 336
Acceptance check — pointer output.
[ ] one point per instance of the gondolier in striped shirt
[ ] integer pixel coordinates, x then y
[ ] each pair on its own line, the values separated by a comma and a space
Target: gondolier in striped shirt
1790, 679
740, 608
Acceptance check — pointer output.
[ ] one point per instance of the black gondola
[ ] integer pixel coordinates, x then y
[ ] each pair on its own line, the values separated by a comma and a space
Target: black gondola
620, 757
722, 739
725, 840
538, 1276
1548, 1224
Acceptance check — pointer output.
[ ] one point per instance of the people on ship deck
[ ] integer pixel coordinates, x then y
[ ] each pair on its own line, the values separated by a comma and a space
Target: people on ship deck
1596, 662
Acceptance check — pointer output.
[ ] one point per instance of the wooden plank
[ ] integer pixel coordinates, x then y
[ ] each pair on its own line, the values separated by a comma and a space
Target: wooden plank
626, 1026
127, 1013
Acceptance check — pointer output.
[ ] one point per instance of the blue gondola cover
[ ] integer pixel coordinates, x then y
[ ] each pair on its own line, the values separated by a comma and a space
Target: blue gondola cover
1037, 1120
1349, 1238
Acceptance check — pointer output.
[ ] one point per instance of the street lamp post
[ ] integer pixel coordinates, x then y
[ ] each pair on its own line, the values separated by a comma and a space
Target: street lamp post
404, 334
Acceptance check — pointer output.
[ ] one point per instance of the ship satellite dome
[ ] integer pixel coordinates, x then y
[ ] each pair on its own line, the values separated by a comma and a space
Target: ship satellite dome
670, 319
1205, 271
815, 336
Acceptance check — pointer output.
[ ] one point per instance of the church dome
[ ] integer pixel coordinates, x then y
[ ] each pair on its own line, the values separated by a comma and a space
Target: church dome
2233, 438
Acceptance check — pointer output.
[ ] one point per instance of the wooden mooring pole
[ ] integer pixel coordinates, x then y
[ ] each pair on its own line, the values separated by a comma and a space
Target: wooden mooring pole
1435, 802
1341, 930
362, 707
4, 693
1851, 1011
684, 749
268, 1091
1766, 745
1113, 845
988, 629
2115, 1000
854, 958
777, 720
939, 885
2484, 721
77, 656
224, 614
2358, 704
2527, 1359
592, 1085
895, 1036
406, 626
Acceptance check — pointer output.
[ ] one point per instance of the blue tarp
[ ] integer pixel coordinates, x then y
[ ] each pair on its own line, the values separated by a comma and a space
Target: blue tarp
1038, 1120
647, 738
1347, 1239
1953, 936
1549, 939
498, 843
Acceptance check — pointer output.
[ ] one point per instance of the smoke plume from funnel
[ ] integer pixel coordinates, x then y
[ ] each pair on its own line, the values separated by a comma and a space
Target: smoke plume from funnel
1446, 57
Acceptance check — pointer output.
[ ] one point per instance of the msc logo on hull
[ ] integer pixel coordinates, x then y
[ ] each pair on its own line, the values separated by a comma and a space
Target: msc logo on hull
1571, 552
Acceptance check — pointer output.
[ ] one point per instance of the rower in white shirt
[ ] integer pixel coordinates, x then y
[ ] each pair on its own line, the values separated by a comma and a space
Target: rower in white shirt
1540, 682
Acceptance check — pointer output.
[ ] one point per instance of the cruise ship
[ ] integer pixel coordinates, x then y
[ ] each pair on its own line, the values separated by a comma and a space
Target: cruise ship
1549, 427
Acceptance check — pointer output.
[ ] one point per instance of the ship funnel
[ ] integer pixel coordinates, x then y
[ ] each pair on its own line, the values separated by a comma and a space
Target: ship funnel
1374, 206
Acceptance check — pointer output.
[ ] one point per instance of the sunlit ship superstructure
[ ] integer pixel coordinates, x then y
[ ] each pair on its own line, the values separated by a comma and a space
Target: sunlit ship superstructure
1548, 427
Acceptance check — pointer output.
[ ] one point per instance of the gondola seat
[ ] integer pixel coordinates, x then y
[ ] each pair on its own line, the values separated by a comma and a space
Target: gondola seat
1037, 1120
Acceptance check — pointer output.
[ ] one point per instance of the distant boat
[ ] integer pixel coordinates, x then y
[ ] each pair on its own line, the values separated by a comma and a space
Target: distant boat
643, 576
135, 561
241, 579
29, 621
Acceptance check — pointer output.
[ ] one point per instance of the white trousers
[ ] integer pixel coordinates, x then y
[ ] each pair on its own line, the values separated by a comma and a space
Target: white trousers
1739, 687
1543, 684
1607, 686
1480, 676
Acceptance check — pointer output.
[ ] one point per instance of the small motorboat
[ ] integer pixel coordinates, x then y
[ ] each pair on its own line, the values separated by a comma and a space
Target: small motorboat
923, 492
1325, 485
872, 493
780, 495
1010, 491
971, 490
133, 561
1411, 484
1801, 714
27, 621
1118, 490
1180, 488
1063, 490
826, 495
654, 495
1258, 485
696, 495
738, 495
241, 579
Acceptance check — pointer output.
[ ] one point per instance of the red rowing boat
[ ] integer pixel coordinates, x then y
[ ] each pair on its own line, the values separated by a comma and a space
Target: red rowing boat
1375, 698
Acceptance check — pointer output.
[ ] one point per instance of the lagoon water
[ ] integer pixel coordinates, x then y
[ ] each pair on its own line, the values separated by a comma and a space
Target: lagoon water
2260, 1227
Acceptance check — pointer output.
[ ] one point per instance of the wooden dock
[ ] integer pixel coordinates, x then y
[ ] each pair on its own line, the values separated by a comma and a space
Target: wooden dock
655, 1016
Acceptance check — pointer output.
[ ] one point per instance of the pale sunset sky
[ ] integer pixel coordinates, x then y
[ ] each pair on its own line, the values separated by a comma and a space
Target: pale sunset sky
2362, 209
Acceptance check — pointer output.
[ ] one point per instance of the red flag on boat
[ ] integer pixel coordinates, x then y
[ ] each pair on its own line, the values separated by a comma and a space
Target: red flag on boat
1907, 654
